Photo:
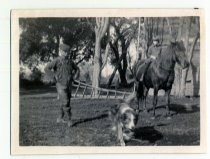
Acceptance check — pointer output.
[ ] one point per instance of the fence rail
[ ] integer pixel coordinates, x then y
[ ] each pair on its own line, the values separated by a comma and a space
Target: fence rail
83, 88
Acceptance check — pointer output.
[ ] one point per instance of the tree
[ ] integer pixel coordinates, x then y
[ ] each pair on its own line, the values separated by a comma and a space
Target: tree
187, 26
124, 30
100, 30
189, 53
177, 80
142, 41
40, 38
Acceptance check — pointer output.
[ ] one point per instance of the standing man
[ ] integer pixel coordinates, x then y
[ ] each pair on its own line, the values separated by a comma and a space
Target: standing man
63, 70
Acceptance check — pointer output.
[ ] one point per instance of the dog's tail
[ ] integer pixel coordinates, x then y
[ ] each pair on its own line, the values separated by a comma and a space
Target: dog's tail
131, 98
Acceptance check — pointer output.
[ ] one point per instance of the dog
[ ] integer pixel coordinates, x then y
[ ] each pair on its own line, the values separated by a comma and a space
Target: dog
124, 120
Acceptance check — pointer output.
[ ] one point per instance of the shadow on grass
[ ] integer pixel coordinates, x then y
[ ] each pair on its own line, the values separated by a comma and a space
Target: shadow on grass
38, 90
90, 119
148, 133
180, 109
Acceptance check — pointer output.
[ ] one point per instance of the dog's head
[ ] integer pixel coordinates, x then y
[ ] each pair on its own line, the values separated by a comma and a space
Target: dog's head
127, 117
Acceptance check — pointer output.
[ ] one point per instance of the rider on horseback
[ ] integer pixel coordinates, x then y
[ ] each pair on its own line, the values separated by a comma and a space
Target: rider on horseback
155, 49
153, 52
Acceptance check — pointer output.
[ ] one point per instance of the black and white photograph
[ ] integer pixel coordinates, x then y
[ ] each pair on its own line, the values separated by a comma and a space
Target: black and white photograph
104, 80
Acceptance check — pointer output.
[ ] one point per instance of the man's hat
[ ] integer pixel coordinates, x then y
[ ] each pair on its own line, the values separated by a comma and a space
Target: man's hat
64, 47
156, 38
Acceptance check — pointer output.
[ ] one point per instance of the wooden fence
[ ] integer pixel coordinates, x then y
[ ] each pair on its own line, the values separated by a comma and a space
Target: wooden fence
84, 90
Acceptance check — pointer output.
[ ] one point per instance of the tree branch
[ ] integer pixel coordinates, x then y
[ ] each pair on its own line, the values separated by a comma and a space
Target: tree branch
193, 46
104, 26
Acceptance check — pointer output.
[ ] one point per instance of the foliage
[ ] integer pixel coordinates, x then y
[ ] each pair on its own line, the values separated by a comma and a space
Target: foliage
40, 38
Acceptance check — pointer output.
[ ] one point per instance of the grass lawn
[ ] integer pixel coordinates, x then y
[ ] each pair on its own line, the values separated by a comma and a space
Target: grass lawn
39, 110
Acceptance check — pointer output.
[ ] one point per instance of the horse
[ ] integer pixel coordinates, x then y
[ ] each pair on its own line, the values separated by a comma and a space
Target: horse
159, 74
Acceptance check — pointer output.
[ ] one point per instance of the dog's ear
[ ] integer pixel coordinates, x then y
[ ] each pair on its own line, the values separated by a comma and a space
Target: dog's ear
113, 112
114, 109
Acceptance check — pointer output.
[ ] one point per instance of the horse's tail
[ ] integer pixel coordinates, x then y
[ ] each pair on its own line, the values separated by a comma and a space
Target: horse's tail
140, 90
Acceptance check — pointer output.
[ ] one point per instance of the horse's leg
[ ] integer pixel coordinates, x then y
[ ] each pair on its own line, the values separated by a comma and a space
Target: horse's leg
168, 92
145, 99
137, 94
155, 101
139, 103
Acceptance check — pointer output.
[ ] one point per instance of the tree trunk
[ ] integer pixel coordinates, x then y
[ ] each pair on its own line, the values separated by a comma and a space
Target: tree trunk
97, 64
178, 71
111, 77
162, 31
142, 39
169, 26
122, 72
138, 39
100, 30
180, 31
198, 82
123, 79
57, 45
194, 80
176, 85
185, 71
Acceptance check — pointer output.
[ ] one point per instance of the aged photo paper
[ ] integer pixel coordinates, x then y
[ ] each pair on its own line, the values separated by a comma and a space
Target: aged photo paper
114, 51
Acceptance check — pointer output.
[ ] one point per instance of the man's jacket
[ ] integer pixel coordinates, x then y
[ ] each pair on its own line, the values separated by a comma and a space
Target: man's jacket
154, 51
63, 70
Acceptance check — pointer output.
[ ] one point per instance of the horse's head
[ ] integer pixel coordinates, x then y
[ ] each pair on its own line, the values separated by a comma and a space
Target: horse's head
180, 56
